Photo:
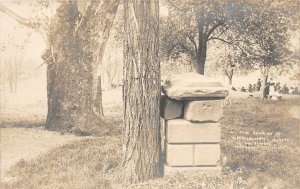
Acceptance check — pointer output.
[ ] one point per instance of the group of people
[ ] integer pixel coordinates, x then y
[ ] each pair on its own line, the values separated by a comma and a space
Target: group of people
271, 89
254, 87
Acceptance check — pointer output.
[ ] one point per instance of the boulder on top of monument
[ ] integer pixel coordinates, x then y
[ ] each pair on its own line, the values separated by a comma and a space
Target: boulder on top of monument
193, 86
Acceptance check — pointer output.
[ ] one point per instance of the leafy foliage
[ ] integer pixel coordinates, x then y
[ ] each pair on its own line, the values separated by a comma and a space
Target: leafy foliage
257, 31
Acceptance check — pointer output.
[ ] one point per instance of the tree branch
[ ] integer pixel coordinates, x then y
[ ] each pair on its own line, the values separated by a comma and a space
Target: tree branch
223, 31
188, 50
185, 59
176, 7
213, 28
226, 73
228, 42
16, 17
194, 43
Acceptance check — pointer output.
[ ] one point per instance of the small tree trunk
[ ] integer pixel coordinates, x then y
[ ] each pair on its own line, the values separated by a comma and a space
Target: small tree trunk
11, 85
265, 80
265, 74
141, 91
100, 27
98, 103
230, 81
16, 84
16, 72
264, 84
10, 78
109, 79
229, 76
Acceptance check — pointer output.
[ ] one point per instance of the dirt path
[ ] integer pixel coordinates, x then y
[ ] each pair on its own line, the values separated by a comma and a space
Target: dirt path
27, 143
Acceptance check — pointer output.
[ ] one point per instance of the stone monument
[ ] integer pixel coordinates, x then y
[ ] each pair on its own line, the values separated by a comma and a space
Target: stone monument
191, 106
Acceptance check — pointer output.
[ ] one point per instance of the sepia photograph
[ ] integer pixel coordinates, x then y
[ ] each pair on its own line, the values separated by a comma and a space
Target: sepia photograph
149, 94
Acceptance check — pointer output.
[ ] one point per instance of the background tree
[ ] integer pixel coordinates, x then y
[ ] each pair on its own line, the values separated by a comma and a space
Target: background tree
12, 55
110, 68
267, 32
191, 25
230, 62
141, 91
76, 42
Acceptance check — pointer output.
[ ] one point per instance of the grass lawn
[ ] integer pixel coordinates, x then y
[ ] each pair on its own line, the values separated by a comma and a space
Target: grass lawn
259, 144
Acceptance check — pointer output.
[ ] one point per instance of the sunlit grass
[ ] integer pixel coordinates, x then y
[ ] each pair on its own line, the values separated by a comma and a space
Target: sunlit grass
95, 162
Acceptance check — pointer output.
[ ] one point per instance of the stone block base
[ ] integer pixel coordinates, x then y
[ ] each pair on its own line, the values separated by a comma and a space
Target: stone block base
193, 154
182, 131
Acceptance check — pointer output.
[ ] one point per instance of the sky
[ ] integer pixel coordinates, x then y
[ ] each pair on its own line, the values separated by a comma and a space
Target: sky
13, 32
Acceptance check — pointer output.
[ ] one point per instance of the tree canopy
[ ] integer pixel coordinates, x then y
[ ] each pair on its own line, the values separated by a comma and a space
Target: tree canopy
254, 29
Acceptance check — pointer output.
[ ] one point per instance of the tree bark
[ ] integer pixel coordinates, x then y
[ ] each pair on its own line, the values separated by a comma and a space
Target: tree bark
201, 61
75, 51
141, 91
77, 47
264, 84
69, 76
202, 48
265, 75
99, 107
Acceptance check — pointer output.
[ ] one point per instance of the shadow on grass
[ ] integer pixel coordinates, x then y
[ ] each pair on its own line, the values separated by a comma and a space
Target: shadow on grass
22, 123
95, 162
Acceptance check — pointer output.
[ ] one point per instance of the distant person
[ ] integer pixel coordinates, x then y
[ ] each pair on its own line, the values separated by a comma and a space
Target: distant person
277, 87
295, 91
285, 90
250, 88
254, 87
272, 90
243, 89
258, 85
266, 91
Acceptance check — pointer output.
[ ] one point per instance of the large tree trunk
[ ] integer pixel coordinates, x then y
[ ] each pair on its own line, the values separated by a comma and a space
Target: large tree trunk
69, 76
141, 91
77, 47
201, 62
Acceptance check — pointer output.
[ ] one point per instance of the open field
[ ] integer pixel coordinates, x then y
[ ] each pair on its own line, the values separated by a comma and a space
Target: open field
95, 162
